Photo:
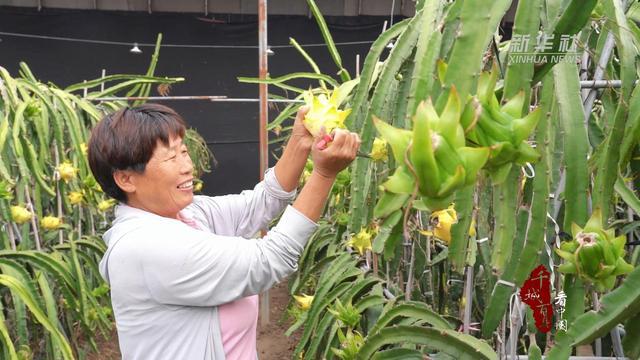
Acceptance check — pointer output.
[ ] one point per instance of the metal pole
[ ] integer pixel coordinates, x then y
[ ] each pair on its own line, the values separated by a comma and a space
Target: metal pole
264, 114
468, 293
598, 84
263, 70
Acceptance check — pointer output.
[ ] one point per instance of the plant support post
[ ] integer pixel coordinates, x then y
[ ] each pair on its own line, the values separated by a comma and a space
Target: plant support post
264, 114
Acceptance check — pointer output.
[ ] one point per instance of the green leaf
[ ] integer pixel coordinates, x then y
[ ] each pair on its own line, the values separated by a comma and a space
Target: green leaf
414, 310
450, 342
627, 195
20, 289
328, 39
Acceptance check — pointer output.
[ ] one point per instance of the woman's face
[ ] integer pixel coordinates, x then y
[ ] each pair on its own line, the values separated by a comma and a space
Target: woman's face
166, 185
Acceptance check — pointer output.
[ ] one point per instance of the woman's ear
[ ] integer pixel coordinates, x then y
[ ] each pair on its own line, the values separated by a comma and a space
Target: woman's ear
125, 180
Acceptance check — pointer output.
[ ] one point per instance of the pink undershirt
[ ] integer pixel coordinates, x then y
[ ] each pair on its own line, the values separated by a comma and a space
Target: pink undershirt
238, 321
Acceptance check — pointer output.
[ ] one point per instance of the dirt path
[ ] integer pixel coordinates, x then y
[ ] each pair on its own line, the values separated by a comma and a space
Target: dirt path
272, 344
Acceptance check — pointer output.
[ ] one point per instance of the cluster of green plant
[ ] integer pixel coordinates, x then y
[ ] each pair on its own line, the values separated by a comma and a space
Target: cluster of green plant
53, 302
477, 138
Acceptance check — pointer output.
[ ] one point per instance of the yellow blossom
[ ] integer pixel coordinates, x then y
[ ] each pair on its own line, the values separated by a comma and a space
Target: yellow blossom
20, 215
84, 149
67, 171
105, 205
361, 241
442, 221
379, 151
323, 111
304, 301
197, 187
51, 222
472, 228
75, 197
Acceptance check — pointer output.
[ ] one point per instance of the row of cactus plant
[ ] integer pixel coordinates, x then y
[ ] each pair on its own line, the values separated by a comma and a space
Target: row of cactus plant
486, 156
52, 212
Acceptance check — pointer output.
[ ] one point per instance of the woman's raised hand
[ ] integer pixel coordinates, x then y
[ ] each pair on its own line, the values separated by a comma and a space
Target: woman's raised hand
331, 157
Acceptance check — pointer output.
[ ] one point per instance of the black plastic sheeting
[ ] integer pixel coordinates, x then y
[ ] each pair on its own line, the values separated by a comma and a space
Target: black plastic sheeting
230, 129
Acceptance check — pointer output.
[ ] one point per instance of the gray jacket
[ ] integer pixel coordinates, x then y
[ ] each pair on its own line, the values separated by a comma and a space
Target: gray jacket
167, 278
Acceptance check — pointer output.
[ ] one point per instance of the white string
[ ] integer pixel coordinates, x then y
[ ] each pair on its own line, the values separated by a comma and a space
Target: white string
548, 249
482, 240
124, 43
514, 299
508, 283
556, 228
529, 174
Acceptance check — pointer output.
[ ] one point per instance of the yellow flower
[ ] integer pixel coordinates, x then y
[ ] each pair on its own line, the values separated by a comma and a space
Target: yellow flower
442, 221
323, 111
67, 171
51, 222
84, 149
75, 197
197, 187
379, 151
304, 301
105, 205
472, 228
361, 241
20, 215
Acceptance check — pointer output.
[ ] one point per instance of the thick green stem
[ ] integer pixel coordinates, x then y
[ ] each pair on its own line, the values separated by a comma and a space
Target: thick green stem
576, 147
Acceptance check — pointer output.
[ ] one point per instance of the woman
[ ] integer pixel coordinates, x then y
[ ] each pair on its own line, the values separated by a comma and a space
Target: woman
183, 276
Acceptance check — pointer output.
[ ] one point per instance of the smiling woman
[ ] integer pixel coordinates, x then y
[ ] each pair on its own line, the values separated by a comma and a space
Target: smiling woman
183, 274
169, 165
129, 139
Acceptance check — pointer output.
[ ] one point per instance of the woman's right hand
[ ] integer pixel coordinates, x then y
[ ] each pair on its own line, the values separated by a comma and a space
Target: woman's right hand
330, 159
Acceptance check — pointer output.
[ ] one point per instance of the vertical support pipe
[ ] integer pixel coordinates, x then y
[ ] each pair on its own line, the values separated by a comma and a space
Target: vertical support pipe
264, 113
104, 73
264, 107
468, 295
34, 224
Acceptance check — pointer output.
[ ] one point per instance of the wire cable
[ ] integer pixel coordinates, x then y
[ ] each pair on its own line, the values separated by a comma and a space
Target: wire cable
123, 43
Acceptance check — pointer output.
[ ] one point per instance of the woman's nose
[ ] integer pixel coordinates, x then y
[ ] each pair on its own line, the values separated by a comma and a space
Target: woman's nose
187, 165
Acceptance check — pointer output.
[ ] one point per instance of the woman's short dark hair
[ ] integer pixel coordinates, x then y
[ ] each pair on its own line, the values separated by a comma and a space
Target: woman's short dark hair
126, 139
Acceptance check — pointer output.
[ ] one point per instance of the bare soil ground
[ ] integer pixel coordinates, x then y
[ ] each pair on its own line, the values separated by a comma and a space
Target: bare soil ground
272, 344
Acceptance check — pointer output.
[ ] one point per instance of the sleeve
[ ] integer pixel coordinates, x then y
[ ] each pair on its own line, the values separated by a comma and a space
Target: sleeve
204, 269
246, 213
